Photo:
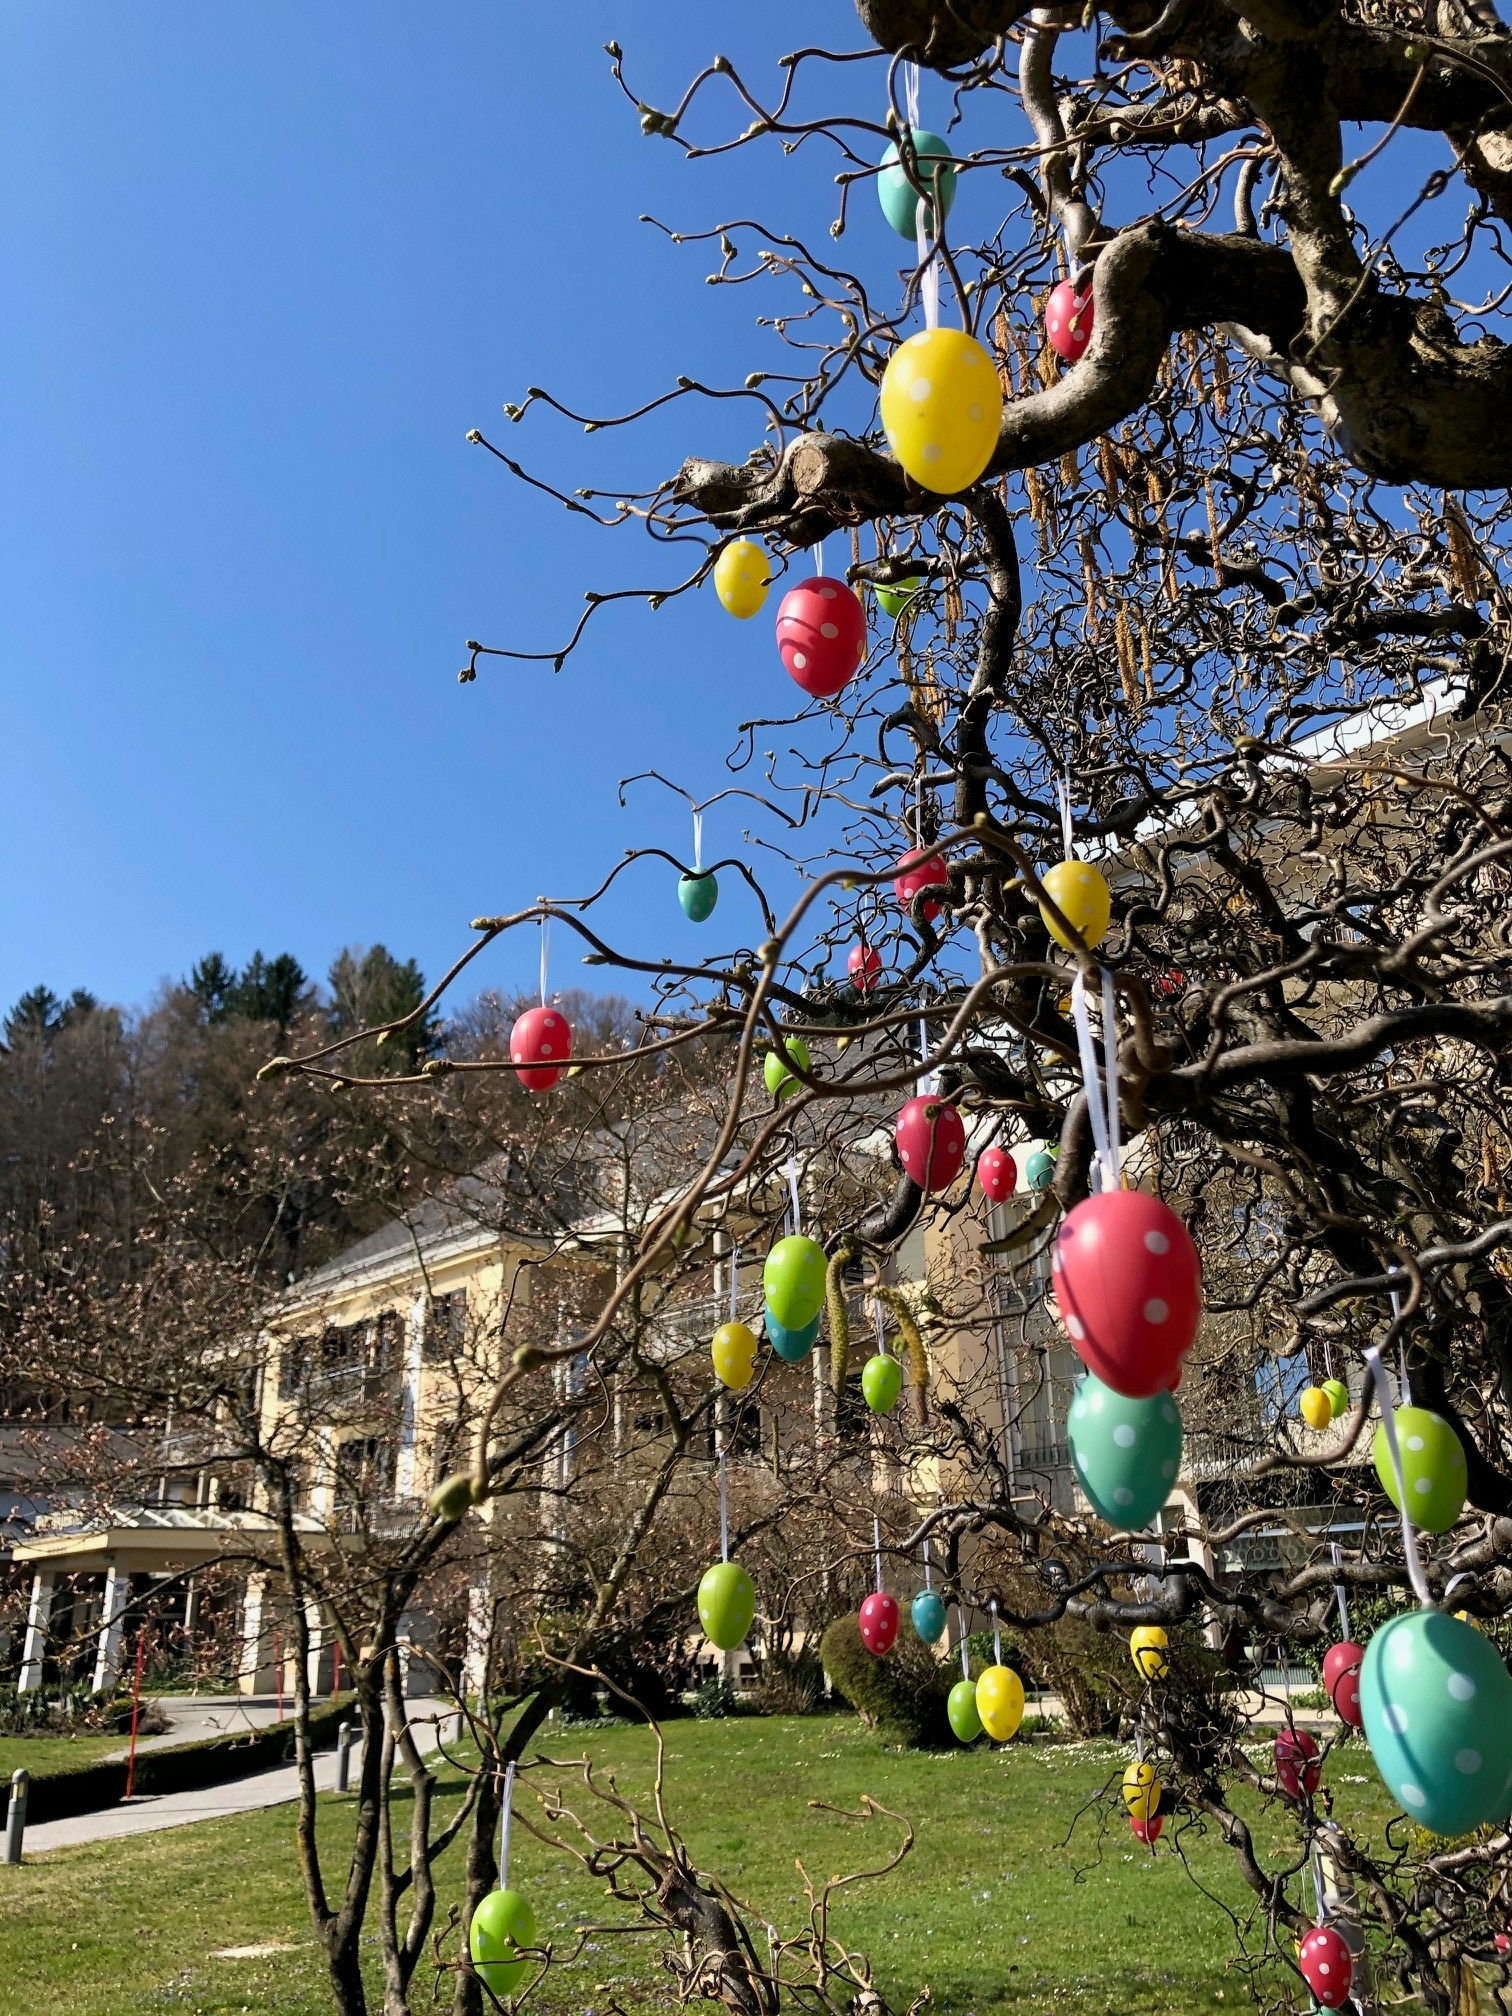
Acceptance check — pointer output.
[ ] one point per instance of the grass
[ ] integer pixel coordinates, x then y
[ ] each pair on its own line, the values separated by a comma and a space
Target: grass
53, 1753
1014, 1900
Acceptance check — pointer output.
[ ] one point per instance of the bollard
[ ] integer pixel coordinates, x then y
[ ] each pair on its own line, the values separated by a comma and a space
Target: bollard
15, 1819
343, 1756
454, 1728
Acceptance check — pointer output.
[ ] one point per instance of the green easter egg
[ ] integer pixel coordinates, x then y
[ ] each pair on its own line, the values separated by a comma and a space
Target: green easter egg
502, 1923
1039, 1171
961, 1707
698, 894
894, 598
1436, 1702
793, 1281
881, 1383
726, 1604
1338, 1396
1432, 1462
1126, 1453
780, 1081
900, 199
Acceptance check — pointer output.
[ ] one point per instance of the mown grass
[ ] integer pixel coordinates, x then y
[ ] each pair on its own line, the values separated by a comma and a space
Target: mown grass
1024, 1891
52, 1753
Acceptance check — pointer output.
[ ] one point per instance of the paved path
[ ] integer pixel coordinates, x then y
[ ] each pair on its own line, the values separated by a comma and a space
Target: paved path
243, 1795
192, 1718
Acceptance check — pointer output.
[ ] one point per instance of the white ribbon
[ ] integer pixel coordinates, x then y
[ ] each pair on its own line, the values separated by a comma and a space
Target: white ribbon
1063, 794
724, 1501
792, 1176
734, 1278
997, 1636
817, 549
927, 1583
545, 954
877, 1549
504, 1824
698, 843
1333, 1548
1415, 1573
926, 1078
1404, 1384
965, 1655
881, 1339
1102, 1110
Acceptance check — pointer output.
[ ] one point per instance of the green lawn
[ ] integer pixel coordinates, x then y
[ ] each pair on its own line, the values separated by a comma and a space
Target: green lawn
53, 1753
1012, 1900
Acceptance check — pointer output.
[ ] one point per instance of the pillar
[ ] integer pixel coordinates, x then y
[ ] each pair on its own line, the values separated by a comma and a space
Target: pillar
253, 1670
406, 1467
35, 1649
480, 1620
112, 1624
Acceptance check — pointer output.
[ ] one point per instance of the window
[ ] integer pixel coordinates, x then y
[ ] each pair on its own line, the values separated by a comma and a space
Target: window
389, 1343
445, 1334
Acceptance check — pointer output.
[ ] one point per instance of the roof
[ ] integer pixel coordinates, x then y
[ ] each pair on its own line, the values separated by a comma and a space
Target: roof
147, 1537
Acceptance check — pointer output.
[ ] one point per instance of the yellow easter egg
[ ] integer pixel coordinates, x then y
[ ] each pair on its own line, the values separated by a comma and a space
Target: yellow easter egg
1000, 1701
942, 406
741, 577
1141, 1791
734, 1354
1082, 896
1314, 1407
1147, 1648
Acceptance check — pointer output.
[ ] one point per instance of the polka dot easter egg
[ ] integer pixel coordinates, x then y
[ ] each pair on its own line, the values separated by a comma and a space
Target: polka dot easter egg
1437, 1706
821, 635
1298, 1769
1327, 1966
1126, 1453
1314, 1408
698, 894
997, 1173
734, 1353
742, 575
1129, 1284
881, 1383
1433, 1463
899, 195
878, 1622
726, 1604
793, 1281
911, 880
894, 597
1000, 1702
942, 406
502, 1924
1079, 892
1338, 1396
1068, 321
961, 1708
792, 1346
542, 1037
1039, 1170
864, 965
931, 1140
1341, 1679
777, 1072
928, 1614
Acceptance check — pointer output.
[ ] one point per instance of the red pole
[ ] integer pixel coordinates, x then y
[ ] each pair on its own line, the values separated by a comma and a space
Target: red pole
336, 1669
278, 1672
136, 1707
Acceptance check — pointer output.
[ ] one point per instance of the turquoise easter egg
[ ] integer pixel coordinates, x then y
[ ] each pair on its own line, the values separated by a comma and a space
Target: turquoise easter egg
791, 1345
961, 1707
1126, 1453
898, 196
793, 1281
894, 597
1433, 1463
777, 1072
881, 1383
1039, 1170
698, 894
1436, 1703
726, 1604
928, 1614
502, 1923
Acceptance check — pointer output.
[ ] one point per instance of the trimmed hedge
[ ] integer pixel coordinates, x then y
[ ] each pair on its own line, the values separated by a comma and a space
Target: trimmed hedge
182, 1767
903, 1696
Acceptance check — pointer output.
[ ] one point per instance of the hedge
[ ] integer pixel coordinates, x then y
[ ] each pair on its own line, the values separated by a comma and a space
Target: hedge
183, 1767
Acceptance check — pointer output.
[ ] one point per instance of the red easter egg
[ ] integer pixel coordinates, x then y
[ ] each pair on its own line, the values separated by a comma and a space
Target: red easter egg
931, 1138
1297, 1764
1327, 1965
864, 964
1341, 1680
1346, 1699
542, 1036
910, 880
1129, 1284
821, 633
997, 1172
1068, 321
1147, 1830
879, 1622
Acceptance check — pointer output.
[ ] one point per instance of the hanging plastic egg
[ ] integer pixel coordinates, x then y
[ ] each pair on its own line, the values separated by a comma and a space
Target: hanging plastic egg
928, 1614
1437, 1706
894, 597
961, 1708
502, 1924
1148, 1645
793, 1281
899, 198
821, 634
1327, 1966
1314, 1408
1000, 1702
1126, 1453
1341, 1679
1299, 1770
742, 575
541, 1037
931, 1138
777, 1068
792, 1346
881, 1383
910, 879
1129, 1284
879, 1622
864, 964
698, 894
942, 406
726, 1604
1141, 1790
1433, 1463
734, 1353
1147, 1831
1039, 1170
1338, 1397
997, 1173
1082, 897
1068, 321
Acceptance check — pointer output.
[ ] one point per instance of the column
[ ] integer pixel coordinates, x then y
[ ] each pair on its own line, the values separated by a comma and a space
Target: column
35, 1649
112, 1625
409, 1419
480, 1622
314, 1678
253, 1633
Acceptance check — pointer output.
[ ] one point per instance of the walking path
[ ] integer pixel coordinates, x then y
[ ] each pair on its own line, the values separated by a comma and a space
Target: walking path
277, 1787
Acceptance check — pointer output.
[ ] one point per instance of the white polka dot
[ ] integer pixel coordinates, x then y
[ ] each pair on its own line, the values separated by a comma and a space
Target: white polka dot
1423, 1484
799, 660
1168, 1411
1077, 1328
1156, 1311
1468, 1761
1322, 1966
1415, 1442
1123, 1435
829, 629
828, 594
973, 411
1095, 1399
1461, 1686
1168, 1468
931, 451
1123, 1495
1395, 1718
920, 390
1156, 1242
545, 1049
1055, 1264
1413, 1795
1457, 1458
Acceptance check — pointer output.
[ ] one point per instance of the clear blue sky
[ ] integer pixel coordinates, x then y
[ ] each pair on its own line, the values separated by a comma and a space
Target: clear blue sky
263, 268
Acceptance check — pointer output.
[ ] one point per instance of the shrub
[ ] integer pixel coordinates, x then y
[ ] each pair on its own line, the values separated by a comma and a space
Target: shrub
902, 1696
714, 1699
789, 1686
